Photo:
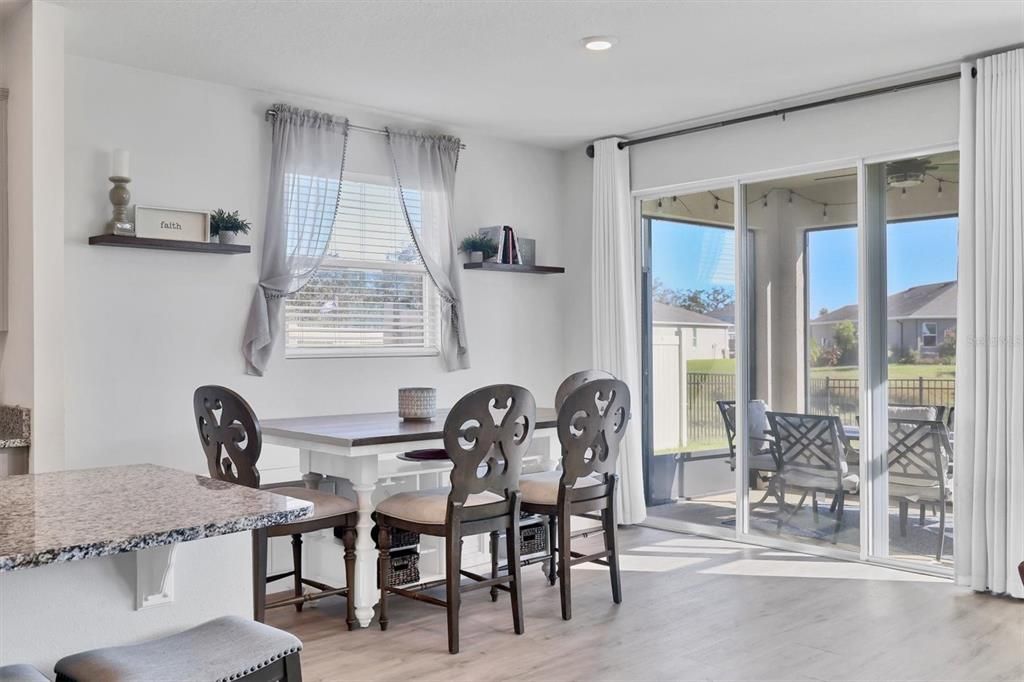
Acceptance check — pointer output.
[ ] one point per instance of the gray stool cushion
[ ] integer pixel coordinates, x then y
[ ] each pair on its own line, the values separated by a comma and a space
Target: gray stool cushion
219, 650
21, 672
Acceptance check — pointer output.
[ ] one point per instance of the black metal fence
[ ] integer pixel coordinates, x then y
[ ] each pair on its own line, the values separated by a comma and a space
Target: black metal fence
703, 389
827, 396
842, 396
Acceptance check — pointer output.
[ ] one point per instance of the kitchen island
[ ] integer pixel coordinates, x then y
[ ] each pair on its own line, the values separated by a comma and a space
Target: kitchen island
100, 557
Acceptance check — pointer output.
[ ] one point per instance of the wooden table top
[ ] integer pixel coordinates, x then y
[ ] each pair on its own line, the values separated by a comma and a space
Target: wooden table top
375, 428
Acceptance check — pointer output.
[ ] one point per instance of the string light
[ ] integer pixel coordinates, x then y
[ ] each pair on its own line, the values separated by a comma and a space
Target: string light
764, 204
659, 203
791, 196
824, 210
903, 192
940, 188
716, 202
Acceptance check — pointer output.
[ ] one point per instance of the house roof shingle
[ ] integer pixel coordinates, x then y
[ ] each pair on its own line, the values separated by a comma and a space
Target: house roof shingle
936, 300
670, 314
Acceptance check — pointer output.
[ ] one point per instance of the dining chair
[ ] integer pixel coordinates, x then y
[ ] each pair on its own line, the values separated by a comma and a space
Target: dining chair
918, 465
231, 438
486, 435
591, 423
763, 460
812, 453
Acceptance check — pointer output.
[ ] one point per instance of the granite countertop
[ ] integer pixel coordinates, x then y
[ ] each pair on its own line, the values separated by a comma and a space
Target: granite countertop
71, 515
15, 426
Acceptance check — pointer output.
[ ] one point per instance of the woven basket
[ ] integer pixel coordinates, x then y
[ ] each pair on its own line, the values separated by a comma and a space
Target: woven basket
533, 539
398, 538
404, 568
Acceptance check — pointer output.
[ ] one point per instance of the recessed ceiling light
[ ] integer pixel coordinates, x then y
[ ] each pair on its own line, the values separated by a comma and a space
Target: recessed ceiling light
599, 43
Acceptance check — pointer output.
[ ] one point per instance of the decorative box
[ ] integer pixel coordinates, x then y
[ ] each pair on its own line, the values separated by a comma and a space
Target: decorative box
404, 568
417, 403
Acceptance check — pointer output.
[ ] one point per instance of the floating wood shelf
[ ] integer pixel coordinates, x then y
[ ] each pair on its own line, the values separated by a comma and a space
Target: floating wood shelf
167, 244
506, 267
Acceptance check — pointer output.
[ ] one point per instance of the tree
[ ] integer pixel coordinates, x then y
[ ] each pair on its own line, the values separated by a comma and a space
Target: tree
703, 301
947, 349
845, 338
823, 311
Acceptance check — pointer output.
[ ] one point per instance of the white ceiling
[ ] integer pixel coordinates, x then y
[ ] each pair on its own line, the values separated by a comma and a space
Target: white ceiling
516, 69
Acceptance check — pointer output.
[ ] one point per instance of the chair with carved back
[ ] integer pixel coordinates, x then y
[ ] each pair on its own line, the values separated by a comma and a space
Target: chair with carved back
231, 438
591, 423
486, 434
918, 469
812, 451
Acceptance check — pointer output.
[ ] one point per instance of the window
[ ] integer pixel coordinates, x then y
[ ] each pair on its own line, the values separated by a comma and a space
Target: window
371, 294
693, 336
929, 334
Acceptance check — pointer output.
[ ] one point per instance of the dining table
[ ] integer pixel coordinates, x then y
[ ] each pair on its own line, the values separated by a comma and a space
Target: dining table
364, 452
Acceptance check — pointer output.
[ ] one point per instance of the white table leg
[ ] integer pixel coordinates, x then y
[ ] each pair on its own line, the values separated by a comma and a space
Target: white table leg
364, 483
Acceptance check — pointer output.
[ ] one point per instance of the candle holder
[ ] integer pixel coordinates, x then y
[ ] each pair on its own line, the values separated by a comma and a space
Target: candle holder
119, 197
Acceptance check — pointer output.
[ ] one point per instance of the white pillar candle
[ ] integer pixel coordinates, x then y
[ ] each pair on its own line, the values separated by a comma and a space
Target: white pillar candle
120, 163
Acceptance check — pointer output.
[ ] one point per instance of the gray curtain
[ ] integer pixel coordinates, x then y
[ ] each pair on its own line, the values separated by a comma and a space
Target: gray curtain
306, 164
425, 167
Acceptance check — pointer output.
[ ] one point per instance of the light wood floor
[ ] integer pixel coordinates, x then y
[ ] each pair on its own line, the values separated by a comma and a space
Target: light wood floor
693, 609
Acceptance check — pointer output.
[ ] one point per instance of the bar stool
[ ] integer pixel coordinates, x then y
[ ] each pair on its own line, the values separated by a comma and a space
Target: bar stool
21, 672
486, 435
226, 423
228, 648
592, 420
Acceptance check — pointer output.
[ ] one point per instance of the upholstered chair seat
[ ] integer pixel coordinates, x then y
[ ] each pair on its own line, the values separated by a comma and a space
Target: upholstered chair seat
21, 672
428, 506
324, 504
228, 648
542, 488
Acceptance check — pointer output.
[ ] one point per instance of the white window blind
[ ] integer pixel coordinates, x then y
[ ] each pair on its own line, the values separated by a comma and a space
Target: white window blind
371, 294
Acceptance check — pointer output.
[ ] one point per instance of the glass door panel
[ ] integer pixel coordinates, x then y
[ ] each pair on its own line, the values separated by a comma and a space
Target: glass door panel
690, 363
921, 272
803, 378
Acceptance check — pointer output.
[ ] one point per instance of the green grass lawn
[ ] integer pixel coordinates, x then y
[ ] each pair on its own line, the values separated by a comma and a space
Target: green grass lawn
728, 366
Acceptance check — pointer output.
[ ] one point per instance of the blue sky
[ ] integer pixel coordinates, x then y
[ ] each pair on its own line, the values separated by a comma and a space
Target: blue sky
696, 257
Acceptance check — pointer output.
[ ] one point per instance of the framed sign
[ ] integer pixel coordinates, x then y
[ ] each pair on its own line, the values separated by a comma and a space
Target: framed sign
172, 223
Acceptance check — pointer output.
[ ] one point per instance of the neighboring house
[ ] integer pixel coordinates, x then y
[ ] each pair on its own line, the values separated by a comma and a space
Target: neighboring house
703, 337
920, 319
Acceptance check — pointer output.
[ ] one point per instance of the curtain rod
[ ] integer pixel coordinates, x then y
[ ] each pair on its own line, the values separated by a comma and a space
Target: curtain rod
788, 110
270, 114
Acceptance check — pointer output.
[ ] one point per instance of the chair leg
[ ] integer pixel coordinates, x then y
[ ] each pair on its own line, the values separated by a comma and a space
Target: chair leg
515, 569
292, 668
348, 539
832, 507
942, 531
453, 580
564, 557
904, 513
552, 538
611, 544
297, 565
814, 504
920, 520
259, 574
839, 498
383, 562
494, 563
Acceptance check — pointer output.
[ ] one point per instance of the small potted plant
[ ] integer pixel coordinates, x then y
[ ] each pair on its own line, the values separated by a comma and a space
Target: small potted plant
479, 248
226, 226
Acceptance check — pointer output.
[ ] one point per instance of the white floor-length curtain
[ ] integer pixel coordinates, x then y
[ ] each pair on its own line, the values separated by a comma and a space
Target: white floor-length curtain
989, 437
615, 292
306, 160
424, 168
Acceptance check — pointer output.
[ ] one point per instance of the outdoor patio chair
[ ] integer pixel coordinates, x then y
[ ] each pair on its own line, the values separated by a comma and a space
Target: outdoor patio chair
763, 459
812, 458
918, 466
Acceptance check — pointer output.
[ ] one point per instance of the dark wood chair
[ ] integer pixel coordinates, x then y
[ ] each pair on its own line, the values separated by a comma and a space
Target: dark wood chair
486, 435
231, 438
591, 423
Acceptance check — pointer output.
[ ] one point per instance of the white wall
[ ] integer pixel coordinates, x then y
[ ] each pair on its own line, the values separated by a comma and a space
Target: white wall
147, 327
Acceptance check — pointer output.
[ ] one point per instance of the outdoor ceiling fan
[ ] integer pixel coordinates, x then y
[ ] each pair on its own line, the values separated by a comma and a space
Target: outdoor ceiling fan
902, 173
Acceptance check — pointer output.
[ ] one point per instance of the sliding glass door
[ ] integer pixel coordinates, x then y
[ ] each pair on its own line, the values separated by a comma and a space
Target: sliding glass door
799, 366
691, 366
